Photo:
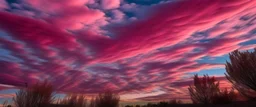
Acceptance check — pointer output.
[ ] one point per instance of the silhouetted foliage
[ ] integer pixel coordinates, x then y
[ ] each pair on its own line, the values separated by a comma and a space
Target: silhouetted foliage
92, 103
170, 103
5, 104
107, 99
74, 101
137, 106
39, 95
151, 105
203, 89
224, 97
206, 90
162, 104
241, 72
128, 106
175, 102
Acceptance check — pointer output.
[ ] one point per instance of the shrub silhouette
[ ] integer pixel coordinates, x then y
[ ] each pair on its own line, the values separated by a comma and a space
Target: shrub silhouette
170, 103
203, 89
175, 102
206, 90
5, 104
107, 99
151, 105
224, 97
74, 100
39, 95
92, 103
162, 104
137, 106
241, 72
128, 106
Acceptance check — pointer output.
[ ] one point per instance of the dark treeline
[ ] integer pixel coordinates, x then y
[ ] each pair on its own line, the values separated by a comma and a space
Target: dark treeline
206, 91
160, 104
42, 95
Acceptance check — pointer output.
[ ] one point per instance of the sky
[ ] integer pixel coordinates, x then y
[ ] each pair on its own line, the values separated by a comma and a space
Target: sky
145, 50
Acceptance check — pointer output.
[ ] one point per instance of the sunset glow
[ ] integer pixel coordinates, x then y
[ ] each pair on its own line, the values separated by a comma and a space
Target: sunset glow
145, 50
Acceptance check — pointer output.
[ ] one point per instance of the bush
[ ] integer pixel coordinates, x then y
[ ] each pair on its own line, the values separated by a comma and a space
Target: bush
128, 106
203, 89
5, 104
107, 99
39, 95
224, 97
206, 90
175, 102
74, 101
92, 103
137, 106
241, 72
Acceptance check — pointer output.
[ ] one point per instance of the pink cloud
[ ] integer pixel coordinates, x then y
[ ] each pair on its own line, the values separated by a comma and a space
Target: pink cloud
247, 47
67, 14
118, 16
11, 80
50, 6
76, 18
138, 38
223, 46
128, 7
217, 32
235, 34
16, 27
110, 4
3, 5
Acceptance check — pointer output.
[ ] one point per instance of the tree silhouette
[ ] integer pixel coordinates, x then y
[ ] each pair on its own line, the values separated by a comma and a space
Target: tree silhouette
128, 106
224, 97
203, 89
137, 106
74, 100
107, 99
39, 95
92, 103
5, 104
175, 102
241, 72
